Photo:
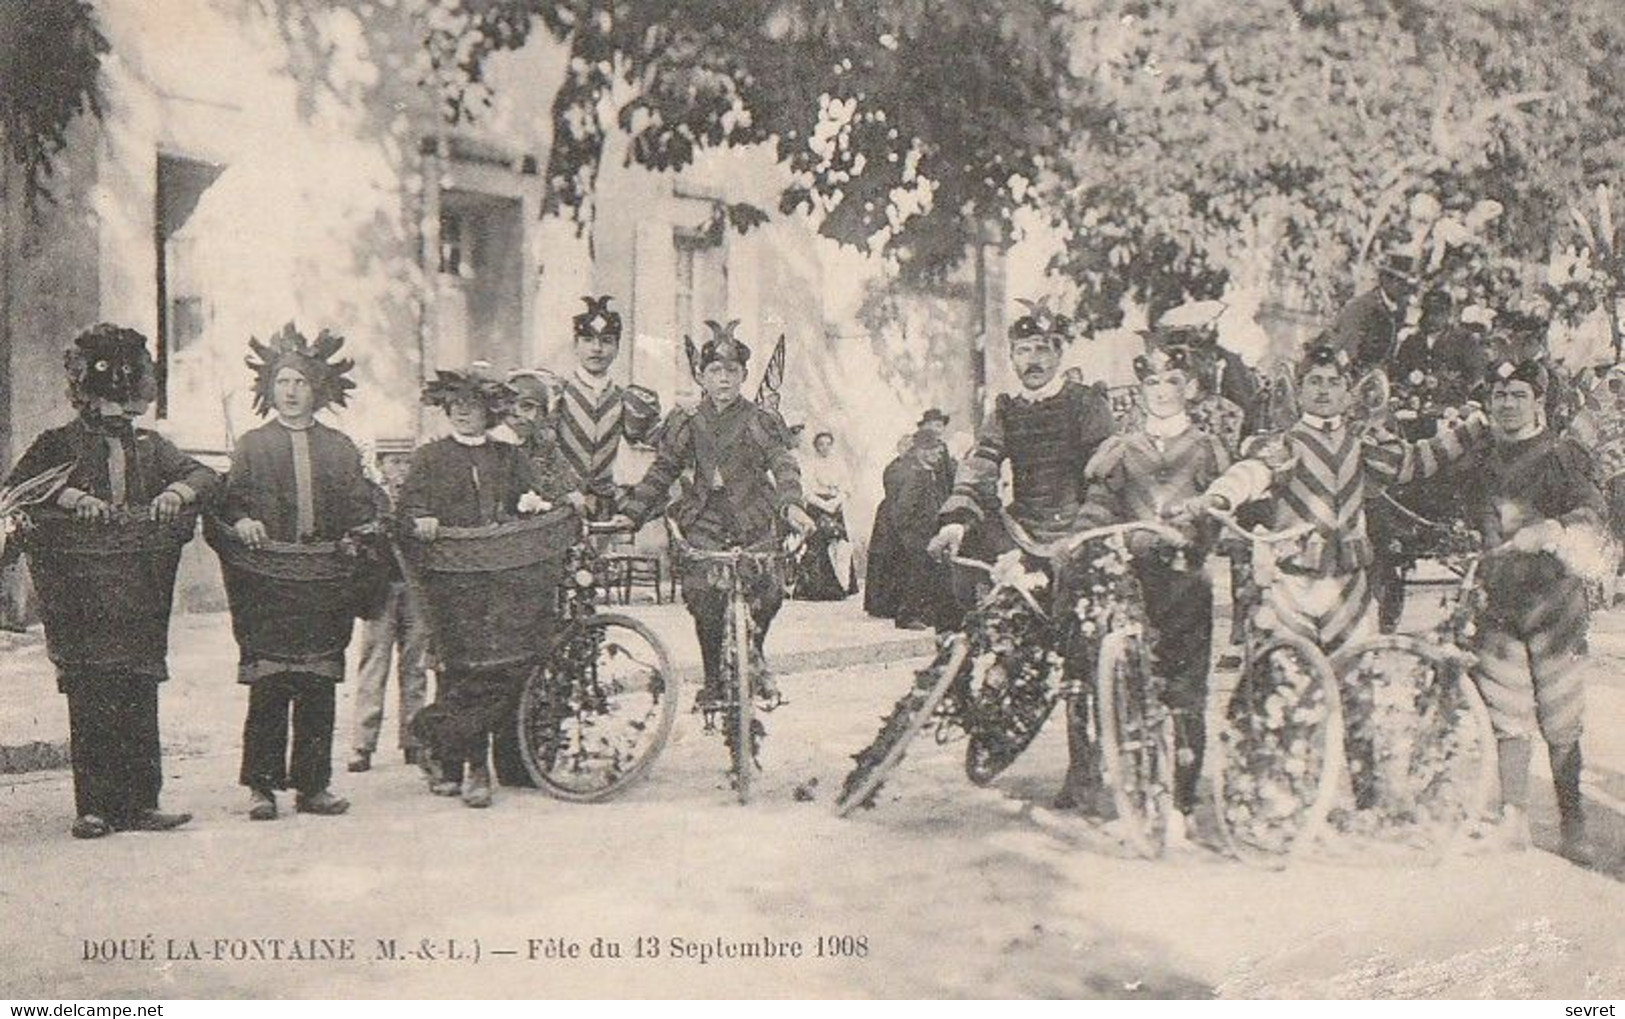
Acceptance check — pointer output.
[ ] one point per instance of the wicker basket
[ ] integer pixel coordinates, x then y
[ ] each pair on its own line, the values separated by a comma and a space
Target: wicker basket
106, 588
280, 560
490, 593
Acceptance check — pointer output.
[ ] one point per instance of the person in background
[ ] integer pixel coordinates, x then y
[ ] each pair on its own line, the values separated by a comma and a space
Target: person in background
824, 568
393, 635
925, 598
112, 685
881, 576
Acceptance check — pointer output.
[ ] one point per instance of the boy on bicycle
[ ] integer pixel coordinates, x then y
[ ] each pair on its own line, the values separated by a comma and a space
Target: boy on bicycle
743, 480
1318, 473
1141, 475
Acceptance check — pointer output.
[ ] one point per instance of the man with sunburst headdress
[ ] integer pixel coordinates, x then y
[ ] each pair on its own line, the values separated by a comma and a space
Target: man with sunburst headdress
109, 643
293, 480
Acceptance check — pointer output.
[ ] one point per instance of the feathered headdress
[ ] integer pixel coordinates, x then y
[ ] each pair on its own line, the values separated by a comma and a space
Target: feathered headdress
329, 378
722, 346
1040, 320
478, 382
1160, 358
598, 320
110, 362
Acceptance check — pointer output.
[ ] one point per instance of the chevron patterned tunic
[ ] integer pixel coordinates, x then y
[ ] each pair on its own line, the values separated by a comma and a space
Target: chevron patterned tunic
591, 422
1322, 592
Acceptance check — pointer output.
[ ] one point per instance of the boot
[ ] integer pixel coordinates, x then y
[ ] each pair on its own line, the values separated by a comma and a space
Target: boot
322, 803
151, 820
477, 791
261, 804
360, 761
1566, 767
91, 826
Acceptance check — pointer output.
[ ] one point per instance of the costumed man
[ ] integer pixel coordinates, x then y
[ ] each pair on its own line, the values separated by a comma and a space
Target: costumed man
1535, 499
1318, 473
925, 594
824, 569
1047, 430
1367, 329
110, 644
595, 413
743, 481
293, 480
468, 479
1144, 474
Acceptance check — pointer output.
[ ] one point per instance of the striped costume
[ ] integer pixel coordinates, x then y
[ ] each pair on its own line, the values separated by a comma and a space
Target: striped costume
1533, 630
594, 414
1322, 592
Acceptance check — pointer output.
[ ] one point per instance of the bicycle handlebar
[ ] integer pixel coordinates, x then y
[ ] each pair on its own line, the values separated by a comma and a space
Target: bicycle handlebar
681, 545
1060, 546
607, 527
1260, 536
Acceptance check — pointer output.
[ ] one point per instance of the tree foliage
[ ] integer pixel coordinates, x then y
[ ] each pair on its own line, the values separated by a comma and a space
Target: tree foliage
907, 124
1293, 138
50, 56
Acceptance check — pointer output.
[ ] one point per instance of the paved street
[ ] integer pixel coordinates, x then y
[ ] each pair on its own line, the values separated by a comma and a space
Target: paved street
1060, 907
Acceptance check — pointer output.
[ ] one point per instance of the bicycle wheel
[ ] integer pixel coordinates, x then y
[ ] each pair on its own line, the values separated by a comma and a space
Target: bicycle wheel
1009, 695
740, 728
911, 715
1136, 741
1432, 750
1279, 763
596, 713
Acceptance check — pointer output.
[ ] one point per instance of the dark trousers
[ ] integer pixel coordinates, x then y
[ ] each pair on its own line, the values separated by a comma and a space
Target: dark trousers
117, 762
707, 602
1179, 607
272, 701
477, 705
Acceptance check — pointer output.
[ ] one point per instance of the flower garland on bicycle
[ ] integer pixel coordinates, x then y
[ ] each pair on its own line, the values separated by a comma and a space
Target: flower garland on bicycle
1318, 473
1164, 462
742, 480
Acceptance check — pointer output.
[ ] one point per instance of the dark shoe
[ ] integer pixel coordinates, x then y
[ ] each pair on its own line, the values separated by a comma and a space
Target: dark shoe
478, 791
322, 803
90, 826
912, 624
152, 820
362, 761
261, 805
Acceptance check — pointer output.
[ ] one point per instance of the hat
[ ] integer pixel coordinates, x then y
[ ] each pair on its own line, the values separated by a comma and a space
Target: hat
722, 346
934, 414
598, 321
1041, 321
1528, 370
478, 382
534, 384
110, 362
1323, 353
289, 348
1158, 359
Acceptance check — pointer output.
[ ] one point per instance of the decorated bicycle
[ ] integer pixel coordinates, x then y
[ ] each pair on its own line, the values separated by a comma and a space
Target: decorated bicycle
997, 679
745, 689
1280, 744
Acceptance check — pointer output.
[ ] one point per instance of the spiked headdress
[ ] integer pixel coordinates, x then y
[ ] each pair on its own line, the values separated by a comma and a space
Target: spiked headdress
329, 377
478, 382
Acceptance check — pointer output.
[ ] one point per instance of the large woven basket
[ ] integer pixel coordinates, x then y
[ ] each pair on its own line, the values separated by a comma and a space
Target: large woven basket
490, 592
280, 560
106, 588
495, 547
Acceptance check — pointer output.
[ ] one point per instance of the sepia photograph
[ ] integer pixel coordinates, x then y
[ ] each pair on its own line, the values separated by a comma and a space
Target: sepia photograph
811, 499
